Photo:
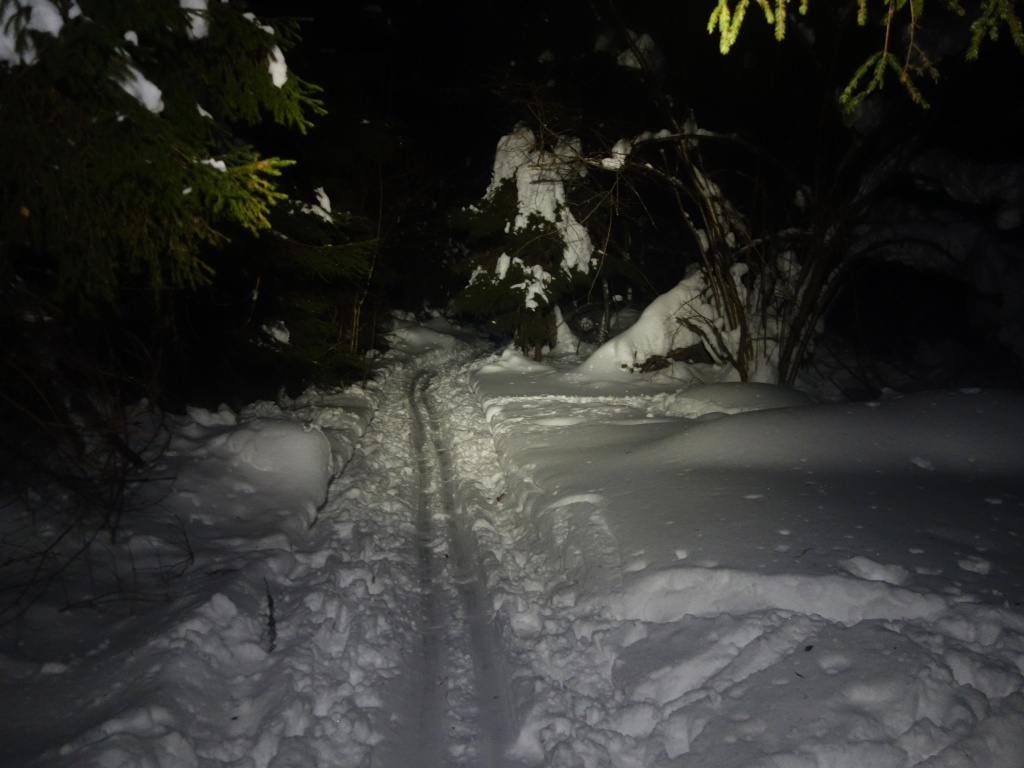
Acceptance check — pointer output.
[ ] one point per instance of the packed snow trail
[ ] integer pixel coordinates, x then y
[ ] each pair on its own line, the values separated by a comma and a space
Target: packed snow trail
448, 703
470, 656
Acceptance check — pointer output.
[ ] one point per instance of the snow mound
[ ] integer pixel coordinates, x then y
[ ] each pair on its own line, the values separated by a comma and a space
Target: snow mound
657, 332
287, 460
513, 361
726, 398
866, 568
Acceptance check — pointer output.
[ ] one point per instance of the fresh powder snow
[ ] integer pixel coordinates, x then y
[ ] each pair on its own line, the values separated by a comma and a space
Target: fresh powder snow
479, 560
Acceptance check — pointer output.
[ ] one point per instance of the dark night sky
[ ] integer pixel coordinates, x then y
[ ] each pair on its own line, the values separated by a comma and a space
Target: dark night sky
436, 67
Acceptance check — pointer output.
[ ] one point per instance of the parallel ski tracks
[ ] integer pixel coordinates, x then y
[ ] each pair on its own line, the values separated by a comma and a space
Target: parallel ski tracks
430, 685
463, 690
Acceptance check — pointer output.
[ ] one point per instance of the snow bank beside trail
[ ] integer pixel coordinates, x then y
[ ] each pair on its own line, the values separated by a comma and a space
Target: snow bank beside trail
197, 637
733, 576
342, 417
291, 458
286, 456
964, 431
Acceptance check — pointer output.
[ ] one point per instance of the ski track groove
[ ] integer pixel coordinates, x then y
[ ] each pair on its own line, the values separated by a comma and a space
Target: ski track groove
463, 693
429, 677
490, 690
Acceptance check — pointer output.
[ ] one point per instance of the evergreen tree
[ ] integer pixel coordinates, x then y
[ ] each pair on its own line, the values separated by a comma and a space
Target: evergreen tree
123, 164
532, 249
118, 158
314, 273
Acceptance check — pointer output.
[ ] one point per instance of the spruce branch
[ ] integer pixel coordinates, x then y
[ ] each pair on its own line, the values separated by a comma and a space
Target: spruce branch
114, 195
995, 13
993, 16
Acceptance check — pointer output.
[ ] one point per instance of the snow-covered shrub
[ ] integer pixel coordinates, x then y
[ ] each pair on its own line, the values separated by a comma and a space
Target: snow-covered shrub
538, 248
734, 303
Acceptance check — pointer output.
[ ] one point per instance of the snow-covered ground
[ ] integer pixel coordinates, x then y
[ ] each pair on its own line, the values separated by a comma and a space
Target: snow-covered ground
478, 560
